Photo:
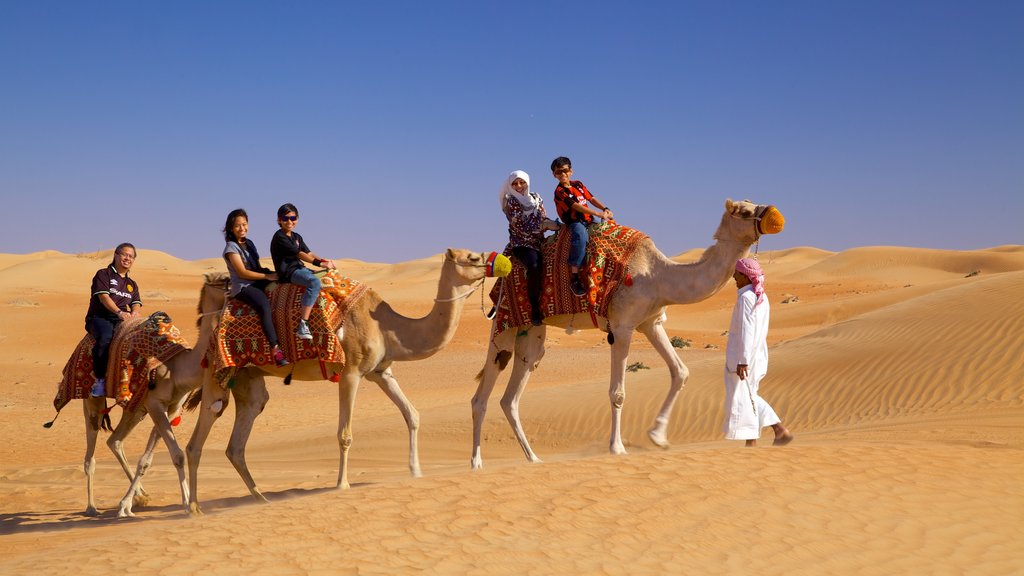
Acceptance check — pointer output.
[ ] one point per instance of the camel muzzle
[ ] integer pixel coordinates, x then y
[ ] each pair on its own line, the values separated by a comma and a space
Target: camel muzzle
771, 221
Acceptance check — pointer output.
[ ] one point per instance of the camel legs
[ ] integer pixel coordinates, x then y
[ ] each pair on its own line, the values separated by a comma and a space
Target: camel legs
488, 377
136, 493
212, 393
159, 413
617, 387
348, 385
529, 350
387, 382
654, 330
128, 422
91, 407
251, 396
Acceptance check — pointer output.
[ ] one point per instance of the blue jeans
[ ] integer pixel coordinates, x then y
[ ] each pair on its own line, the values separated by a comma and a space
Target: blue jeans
305, 277
102, 329
580, 237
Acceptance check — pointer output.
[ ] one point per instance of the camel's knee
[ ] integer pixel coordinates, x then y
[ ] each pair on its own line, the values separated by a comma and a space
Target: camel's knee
618, 399
177, 458
413, 420
89, 466
478, 405
345, 441
235, 454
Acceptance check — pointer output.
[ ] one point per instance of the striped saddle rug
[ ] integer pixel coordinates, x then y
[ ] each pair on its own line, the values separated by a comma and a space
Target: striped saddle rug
140, 345
607, 266
239, 341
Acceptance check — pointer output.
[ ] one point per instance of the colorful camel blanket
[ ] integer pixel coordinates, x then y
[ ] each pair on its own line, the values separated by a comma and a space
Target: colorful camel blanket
140, 345
239, 340
607, 265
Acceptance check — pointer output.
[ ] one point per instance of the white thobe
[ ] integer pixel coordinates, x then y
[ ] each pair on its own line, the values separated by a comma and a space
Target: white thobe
745, 411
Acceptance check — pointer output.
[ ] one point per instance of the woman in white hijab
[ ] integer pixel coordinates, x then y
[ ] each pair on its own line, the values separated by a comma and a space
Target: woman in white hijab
527, 222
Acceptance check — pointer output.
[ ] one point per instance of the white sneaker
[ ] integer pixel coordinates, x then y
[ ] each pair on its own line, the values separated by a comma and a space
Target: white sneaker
99, 388
303, 333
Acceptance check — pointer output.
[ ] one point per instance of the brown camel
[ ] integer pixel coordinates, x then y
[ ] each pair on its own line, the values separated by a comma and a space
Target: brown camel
657, 283
373, 337
174, 380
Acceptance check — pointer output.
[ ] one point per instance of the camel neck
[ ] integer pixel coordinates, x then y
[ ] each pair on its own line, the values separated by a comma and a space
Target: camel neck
688, 283
416, 338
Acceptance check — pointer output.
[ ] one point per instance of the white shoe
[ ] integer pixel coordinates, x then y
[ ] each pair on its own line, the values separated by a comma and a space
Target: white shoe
303, 333
99, 388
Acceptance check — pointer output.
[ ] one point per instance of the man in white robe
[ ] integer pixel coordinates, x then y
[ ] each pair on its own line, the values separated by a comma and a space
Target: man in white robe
746, 361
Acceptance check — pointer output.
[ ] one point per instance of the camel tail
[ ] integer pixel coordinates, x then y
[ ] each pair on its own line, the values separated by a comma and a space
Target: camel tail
195, 398
50, 423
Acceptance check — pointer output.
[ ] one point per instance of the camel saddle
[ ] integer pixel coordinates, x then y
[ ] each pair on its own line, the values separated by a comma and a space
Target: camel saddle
139, 346
607, 267
238, 340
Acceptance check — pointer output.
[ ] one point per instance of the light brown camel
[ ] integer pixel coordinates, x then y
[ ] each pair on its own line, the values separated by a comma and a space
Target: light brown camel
657, 283
174, 380
373, 337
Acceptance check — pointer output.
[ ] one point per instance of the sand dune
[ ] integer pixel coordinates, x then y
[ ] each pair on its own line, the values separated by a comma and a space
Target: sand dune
899, 370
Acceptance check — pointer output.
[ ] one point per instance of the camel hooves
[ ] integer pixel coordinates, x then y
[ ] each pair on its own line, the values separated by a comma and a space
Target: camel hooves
658, 440
194, 509
91, 512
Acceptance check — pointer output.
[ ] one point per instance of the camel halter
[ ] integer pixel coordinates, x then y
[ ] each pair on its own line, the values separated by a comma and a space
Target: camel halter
496, 265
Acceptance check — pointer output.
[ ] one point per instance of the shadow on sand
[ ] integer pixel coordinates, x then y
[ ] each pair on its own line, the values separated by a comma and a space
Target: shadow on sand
60, 520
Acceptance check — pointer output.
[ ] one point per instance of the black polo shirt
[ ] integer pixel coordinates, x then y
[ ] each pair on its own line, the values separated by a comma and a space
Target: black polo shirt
121, 289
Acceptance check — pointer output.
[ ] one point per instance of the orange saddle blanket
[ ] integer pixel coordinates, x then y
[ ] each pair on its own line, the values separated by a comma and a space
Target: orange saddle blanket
607, 266
239, 340
139, 346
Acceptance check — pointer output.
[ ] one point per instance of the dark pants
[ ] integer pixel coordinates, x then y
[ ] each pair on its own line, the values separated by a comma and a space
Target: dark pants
580, 237
102, 329
531, 259
256, 298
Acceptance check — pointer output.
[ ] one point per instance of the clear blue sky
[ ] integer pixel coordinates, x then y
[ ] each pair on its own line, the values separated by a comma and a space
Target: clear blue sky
392, 124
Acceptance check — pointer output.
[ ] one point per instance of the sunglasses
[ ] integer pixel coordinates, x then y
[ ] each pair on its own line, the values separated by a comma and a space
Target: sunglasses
289, 218
563, 171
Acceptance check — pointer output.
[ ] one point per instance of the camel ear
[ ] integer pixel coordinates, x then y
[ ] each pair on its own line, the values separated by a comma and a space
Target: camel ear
450, 254
728, 205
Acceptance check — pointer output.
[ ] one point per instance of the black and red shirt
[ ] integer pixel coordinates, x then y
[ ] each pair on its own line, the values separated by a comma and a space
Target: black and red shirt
121, 289
566, 197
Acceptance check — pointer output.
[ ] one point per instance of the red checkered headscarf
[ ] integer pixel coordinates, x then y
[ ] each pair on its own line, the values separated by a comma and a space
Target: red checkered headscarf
752, 270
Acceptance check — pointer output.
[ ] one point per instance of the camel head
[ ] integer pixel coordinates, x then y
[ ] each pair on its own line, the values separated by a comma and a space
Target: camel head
465, 267
745, 221
213, 293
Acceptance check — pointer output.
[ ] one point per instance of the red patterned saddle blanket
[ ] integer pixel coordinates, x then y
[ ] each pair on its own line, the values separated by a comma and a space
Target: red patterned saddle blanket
139, 346
239, 340
607, 265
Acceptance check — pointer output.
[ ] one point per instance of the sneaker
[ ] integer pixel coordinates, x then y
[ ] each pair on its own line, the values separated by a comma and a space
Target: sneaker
577, 287
279, 358
303, 333
99, 388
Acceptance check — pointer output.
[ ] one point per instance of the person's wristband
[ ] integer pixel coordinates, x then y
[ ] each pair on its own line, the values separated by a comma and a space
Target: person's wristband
317, 262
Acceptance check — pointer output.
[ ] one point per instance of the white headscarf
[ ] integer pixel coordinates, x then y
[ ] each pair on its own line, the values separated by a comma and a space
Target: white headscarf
528, 200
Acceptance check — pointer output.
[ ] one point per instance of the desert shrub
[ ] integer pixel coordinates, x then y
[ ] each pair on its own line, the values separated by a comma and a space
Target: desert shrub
637, 366
678, 342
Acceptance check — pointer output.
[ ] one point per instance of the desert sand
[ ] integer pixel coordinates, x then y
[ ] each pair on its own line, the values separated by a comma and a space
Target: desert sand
899, 370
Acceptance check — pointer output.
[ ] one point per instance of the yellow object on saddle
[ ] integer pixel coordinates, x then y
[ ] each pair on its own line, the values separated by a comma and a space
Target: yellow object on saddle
498, 265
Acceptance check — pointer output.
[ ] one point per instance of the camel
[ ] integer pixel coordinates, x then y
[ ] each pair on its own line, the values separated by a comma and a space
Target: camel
173, 382
373, 337
657, 283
